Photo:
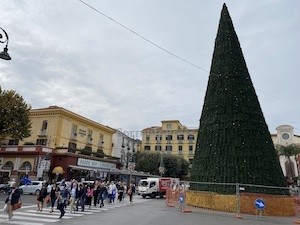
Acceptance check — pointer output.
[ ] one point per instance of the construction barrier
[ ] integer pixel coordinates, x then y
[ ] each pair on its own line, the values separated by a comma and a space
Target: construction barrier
176, 197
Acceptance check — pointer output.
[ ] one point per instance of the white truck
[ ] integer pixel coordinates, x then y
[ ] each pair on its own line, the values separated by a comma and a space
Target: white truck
153, 187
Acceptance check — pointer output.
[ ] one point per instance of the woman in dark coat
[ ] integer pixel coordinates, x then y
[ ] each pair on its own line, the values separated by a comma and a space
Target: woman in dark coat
12, 199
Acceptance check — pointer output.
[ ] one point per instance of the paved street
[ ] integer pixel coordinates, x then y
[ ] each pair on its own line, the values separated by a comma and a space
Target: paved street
143, 211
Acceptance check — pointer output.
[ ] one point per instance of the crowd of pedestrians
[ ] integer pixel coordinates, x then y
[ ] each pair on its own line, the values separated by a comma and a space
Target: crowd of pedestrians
78, 195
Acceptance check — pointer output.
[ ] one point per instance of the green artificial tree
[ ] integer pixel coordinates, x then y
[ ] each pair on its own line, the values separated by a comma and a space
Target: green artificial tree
234, 144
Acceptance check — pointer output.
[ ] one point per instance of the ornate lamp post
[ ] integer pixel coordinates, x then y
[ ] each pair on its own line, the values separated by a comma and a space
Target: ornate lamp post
4, 39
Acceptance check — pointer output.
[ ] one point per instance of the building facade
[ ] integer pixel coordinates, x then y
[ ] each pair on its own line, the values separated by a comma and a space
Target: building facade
61, 144
170, 138
290, 164
124, 148
58, 128
174, 138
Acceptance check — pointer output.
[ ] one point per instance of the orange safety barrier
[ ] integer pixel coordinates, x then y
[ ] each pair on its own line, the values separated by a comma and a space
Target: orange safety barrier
172, 197
297, 209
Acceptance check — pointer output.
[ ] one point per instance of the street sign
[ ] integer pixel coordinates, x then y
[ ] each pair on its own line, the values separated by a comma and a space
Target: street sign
260, 204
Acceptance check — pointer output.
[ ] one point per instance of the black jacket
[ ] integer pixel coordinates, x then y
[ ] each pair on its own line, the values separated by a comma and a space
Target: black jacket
15, 196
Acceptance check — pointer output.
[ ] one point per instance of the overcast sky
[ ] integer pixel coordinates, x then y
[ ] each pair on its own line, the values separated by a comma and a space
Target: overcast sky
106, 65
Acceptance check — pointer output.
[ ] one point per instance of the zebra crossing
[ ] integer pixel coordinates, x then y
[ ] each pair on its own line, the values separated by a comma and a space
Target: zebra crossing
29, 216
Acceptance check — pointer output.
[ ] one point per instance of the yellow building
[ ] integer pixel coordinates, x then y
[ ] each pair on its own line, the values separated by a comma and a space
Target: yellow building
170, 138
58, 128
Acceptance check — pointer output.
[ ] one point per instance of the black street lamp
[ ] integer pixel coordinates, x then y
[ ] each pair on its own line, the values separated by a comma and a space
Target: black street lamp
4, 54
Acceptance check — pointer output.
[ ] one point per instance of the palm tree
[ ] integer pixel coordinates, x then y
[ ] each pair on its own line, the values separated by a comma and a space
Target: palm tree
288, 150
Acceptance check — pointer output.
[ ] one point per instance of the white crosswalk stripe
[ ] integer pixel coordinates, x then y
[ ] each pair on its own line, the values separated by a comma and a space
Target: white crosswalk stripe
29, 216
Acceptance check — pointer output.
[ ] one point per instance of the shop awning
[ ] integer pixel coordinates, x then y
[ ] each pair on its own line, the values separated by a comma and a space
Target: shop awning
58, 170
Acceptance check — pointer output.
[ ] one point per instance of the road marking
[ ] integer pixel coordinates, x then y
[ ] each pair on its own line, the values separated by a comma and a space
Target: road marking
32, 218
19, 222
41, 215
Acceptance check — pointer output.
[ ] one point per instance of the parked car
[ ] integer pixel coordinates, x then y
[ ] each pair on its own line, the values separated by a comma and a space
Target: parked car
5, 188
33, 188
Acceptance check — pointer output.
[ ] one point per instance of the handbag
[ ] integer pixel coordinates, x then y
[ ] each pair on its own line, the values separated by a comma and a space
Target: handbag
17, 206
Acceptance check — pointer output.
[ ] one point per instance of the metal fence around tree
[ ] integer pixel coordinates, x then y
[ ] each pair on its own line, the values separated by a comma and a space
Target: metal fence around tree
234, 198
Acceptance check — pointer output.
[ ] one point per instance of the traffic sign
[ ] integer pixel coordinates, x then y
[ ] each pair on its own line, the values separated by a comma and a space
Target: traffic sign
260, 204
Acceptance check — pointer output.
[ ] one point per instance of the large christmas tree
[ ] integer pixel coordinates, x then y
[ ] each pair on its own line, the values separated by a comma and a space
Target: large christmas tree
234, 144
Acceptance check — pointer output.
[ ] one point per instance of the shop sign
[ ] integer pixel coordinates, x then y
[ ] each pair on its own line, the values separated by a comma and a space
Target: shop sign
95, 164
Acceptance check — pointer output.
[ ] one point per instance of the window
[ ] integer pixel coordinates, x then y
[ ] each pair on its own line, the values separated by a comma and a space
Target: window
180, 148
169, 137
8, 166
152, 184
180, 137
169, 126
45, 125
147, 148
41, 142
158, 137
90, 134
169, 148
72, 145
191, 149
191, 137
26, 166
157, 148
74, 129
13, 142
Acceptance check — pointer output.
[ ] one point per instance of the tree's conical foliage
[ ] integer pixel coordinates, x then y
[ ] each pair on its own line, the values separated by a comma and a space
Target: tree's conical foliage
234, 144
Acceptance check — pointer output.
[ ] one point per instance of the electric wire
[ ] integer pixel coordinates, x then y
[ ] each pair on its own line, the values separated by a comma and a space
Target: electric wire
167, 51
144, 38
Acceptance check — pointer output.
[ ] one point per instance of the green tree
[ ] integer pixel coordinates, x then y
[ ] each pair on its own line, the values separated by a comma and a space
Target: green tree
147, 162
234, 144
288, 150
14, 116
175, 166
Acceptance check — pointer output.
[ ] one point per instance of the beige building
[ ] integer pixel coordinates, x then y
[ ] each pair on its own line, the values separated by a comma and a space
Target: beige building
62, 145
285, 136
58, 128
171, 138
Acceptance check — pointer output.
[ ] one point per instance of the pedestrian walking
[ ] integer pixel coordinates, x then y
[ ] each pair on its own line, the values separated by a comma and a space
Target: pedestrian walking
131, 191
81, 196
63, 200
54, 192
13, 198
120, 192
41, 197
89, 195
96, 193
73, 197
112, 190
102, 194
